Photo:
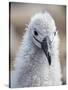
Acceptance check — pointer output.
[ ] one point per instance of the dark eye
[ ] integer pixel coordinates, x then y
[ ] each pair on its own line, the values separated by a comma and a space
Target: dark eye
54, 33
36, 33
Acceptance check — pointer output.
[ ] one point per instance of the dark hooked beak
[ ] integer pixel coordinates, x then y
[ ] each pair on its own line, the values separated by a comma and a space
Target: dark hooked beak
44, 46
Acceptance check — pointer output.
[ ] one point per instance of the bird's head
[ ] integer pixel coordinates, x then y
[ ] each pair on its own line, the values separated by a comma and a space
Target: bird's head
43, 32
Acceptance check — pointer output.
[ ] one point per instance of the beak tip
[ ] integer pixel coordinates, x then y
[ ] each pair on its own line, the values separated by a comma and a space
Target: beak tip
49, 64
49, 59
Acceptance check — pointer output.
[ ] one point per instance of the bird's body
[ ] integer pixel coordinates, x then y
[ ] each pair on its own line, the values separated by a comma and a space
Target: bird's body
32, 67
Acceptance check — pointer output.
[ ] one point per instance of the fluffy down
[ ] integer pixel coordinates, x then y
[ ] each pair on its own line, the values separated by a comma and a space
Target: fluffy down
32, 68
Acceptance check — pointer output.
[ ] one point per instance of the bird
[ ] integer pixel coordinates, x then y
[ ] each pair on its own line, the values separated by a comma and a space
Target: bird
37, 61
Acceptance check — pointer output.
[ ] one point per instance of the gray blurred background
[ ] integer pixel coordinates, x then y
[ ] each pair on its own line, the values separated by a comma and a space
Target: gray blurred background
20, 14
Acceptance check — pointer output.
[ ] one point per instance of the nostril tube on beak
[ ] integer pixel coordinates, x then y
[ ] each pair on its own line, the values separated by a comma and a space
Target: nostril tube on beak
44, 46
